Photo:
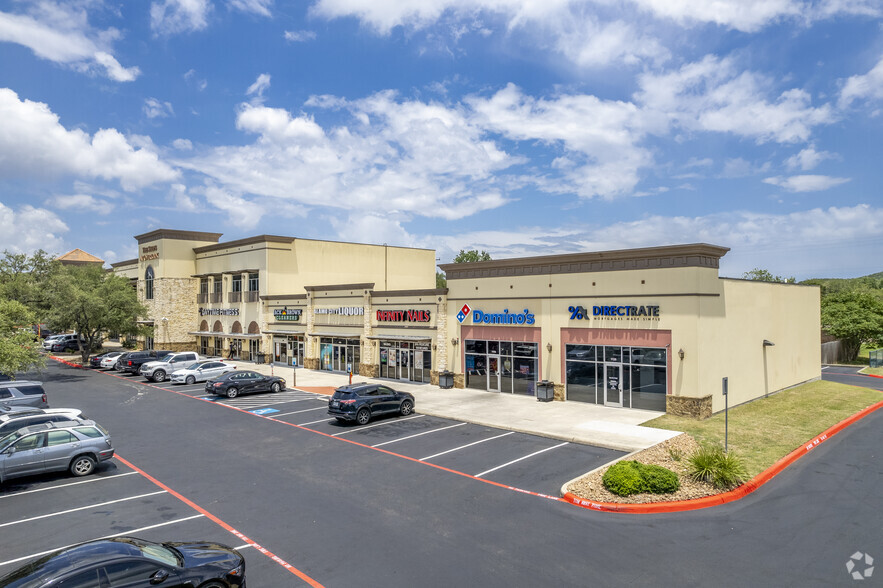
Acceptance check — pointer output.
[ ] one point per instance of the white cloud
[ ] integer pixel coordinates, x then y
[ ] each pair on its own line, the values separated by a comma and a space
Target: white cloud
191, 78
241, 212
743, 15
33, 144
259, 86
867, 86
27, 229
79, 203
807, 159
178, 194
61, 33
299, 36
170, 17
714, 95
153, 108
182, 144
805, 183
259, 7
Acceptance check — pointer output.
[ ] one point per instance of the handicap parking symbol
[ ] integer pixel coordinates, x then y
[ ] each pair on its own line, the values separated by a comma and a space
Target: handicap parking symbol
264, 411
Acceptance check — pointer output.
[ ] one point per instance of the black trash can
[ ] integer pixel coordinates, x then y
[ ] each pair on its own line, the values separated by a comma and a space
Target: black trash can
446, 380
545, 391
261, 357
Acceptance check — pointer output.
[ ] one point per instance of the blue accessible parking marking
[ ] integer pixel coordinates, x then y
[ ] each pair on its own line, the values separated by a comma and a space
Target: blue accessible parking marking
264, 411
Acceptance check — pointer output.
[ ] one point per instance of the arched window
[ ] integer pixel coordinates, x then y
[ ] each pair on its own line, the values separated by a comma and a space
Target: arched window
148, 283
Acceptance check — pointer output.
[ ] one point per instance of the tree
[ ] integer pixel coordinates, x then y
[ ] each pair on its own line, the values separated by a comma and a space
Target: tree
854, 317
762, 275
19, 350
93, 302
471, 256
26, 279
440, 280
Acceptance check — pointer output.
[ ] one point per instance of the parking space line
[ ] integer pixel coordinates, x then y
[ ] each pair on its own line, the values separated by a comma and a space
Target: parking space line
299, 411
70, 510
69, 484
310, 423
362, 428
417, 435
130, 531
467, 445
522, 458
237, 548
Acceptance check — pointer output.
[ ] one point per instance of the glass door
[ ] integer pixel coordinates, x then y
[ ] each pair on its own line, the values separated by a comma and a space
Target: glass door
493, 373
405, 360
613, 384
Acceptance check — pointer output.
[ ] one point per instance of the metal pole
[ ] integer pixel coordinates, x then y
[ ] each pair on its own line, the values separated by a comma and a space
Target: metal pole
724, 385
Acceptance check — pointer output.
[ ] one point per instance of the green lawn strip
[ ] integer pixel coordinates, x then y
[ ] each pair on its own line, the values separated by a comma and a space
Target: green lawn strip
878, 371
764, 431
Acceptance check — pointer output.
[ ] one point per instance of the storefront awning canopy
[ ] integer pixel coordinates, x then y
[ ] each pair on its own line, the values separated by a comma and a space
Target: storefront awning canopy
300, 332
231, 335
338, 335
391, 337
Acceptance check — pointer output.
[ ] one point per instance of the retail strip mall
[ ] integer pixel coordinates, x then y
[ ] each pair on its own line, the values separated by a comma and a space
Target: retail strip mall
652, 328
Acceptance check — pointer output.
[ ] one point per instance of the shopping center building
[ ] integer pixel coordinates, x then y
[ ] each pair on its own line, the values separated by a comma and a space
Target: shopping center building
653, 328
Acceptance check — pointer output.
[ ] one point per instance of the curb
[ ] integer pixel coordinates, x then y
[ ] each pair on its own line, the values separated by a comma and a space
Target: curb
733, 495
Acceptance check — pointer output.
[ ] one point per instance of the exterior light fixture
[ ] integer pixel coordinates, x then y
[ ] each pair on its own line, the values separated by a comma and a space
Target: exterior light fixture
454, 341
681, 353
768, 343
549, 347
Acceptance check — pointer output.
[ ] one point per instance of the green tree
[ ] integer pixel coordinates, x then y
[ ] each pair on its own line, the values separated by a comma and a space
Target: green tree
93, 302
26, 279
19, 350
472, 255
762, 275
440, 280
854, 317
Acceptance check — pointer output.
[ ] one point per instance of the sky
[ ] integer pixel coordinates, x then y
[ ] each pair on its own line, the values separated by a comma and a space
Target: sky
518, 127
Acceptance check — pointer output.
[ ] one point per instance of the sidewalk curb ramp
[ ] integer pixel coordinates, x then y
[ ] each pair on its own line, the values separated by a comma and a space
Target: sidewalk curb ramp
733, 495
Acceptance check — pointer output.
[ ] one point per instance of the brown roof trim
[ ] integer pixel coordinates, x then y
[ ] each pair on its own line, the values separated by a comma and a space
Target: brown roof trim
127, 262
364, 286
176, 234
284, 297
243, 242
668, 256
396, 293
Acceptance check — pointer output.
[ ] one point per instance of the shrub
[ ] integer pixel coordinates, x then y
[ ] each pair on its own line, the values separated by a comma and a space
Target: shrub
624, 478
676, 454
631, 477
723, 470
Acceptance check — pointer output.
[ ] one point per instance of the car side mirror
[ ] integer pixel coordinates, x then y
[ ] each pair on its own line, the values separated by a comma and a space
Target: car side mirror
159, 577
9, 450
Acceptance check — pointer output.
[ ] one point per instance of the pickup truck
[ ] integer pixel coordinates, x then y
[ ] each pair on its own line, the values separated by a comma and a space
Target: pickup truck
133, 361
159, 370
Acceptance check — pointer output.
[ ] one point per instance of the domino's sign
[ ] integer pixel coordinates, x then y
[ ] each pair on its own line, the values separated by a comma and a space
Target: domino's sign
497, 318
464, 312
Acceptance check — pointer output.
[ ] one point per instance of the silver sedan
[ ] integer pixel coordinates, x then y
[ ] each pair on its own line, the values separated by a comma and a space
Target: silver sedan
201, 371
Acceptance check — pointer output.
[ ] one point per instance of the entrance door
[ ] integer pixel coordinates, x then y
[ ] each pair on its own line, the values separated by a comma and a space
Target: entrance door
406, 357
613, 384
493, 373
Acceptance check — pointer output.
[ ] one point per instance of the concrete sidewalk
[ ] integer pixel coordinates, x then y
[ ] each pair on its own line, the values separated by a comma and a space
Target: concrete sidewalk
613, 428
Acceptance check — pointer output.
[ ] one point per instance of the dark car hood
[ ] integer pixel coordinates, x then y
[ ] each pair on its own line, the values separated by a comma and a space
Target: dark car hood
203, 553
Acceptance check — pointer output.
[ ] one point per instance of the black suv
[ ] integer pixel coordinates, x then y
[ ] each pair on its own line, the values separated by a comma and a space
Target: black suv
133, 361
360, 402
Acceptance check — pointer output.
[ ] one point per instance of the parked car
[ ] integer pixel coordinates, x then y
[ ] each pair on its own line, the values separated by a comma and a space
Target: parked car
47, 342
233, 384
23, 393
109, 359
128, 561
67, 342
360, 402
118, 364
16, 418
201, 371
95, 360
134, 360
77, 446
159, 370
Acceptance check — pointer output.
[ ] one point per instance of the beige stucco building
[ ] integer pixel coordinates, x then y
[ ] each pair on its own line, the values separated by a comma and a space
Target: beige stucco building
653, 328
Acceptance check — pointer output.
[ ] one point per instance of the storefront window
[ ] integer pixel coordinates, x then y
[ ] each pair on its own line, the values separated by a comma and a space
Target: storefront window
148, 284
501, 366
253, 284
237, 282
640, 372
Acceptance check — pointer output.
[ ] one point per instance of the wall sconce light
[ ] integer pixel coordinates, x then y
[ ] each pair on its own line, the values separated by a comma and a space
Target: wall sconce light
454, 341
768, 343
549, 347
681, 353
434, 346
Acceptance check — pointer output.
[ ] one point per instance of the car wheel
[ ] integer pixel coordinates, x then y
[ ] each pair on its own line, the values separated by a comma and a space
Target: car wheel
82, 465
159, 376
275, 387
363, 416
232, 392
406, 408
212, 585
189, 380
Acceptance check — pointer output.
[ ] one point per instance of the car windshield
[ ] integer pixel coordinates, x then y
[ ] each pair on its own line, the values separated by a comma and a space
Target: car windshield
192, 366
160, 553
9, 440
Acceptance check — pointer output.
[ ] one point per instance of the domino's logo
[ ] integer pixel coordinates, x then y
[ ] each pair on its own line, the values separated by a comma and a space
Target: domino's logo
464, 312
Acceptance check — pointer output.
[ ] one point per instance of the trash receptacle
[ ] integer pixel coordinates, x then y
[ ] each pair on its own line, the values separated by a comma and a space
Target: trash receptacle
261, 356
545, 391
446, 380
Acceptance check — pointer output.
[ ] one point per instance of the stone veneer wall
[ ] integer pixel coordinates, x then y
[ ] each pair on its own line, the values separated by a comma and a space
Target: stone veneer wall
697, 408
174, 299
441, 337
369, 370
559, 392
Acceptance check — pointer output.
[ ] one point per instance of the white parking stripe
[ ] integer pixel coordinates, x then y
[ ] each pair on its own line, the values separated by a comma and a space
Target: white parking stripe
276, 416
131, 531
61, 512
418, 435
521, 458
243, 546
311, 423
362, 428
70, 484
465, 446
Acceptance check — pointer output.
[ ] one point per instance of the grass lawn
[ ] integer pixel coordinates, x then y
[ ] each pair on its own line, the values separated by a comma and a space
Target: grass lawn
764, 431
878, 371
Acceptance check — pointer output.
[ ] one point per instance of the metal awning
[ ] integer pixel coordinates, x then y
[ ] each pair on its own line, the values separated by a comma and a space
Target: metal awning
230, 335
339, 335
300, 332
391, 337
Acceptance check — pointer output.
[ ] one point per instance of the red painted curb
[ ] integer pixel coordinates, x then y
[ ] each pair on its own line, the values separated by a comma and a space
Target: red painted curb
872, 376
735, 494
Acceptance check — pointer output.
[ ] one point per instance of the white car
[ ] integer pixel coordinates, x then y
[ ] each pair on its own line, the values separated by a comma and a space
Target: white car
47, 342
159, 370
108, 360
201, 371
13, 419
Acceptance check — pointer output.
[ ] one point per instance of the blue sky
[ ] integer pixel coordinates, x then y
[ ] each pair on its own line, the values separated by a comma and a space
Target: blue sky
521, 127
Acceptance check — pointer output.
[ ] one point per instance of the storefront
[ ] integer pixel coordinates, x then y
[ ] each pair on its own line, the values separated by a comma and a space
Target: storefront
501, 366
340, 354
406, 360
